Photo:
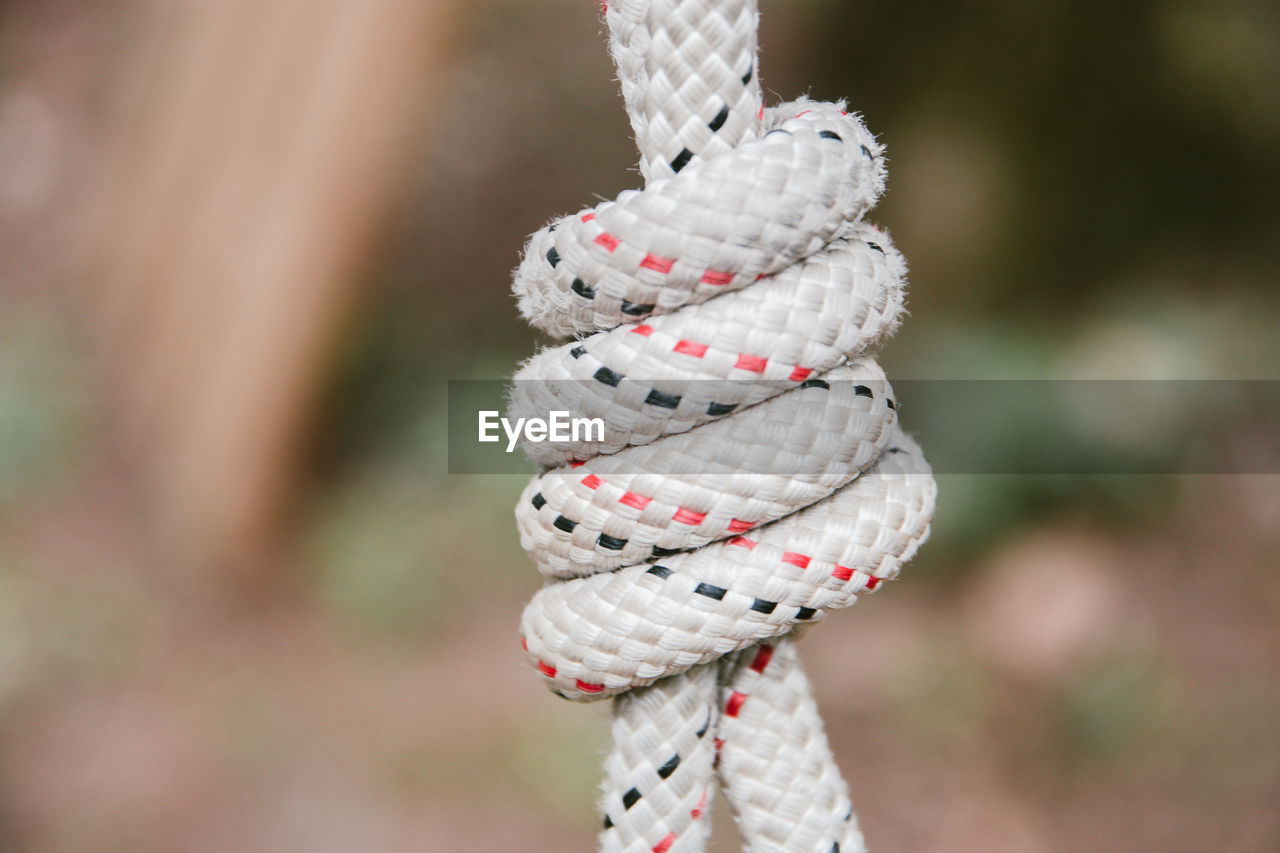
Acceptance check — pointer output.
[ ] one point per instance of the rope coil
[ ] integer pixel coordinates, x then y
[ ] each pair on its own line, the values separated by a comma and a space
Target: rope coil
752, 474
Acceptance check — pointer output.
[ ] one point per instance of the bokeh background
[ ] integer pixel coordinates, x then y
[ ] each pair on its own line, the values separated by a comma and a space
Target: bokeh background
244, 245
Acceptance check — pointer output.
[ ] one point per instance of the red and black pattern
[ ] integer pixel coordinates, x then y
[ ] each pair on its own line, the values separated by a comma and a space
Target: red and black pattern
686, 545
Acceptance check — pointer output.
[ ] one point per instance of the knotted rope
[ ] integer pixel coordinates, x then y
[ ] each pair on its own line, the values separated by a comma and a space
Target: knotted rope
752, 475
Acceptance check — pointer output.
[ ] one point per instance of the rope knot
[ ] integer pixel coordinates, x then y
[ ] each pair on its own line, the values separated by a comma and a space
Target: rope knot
751, 474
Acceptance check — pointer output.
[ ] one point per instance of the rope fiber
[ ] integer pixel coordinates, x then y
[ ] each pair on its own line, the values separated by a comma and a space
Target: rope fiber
752, 475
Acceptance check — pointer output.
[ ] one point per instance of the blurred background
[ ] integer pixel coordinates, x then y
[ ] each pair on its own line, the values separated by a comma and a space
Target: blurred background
245, 244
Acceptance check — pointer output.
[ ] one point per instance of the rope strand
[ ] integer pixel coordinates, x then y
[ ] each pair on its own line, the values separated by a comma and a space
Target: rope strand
752, 474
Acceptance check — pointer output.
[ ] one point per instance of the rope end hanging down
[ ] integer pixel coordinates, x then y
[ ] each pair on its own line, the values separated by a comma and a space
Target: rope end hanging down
751, 475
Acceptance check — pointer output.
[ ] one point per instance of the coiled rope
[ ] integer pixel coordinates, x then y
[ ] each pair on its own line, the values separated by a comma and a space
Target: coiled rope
752, 475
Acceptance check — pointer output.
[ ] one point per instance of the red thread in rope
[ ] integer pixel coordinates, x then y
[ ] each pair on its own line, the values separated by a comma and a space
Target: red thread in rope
696, 811
633, 500
688, 516
657, 264
796, 559
754, 363
763, 656
690, 348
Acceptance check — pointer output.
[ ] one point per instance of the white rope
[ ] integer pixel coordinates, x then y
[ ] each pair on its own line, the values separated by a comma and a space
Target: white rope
752, 475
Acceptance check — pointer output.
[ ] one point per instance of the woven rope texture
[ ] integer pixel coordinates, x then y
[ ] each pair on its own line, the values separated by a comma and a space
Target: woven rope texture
752, 475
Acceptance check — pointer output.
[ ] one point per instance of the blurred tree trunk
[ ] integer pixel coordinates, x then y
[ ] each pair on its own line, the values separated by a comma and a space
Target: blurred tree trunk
258, 152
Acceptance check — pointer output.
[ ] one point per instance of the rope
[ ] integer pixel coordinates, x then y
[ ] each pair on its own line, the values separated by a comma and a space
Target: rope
752, 475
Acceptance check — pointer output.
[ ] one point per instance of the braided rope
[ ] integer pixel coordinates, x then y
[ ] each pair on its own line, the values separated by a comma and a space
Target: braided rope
752, 474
